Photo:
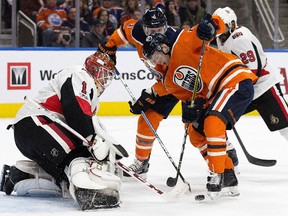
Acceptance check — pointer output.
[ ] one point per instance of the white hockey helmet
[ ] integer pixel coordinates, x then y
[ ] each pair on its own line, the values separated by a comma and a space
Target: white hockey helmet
228, 16
101, 68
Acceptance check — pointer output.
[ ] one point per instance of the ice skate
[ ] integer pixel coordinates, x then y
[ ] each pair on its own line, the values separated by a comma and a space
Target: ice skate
139, 167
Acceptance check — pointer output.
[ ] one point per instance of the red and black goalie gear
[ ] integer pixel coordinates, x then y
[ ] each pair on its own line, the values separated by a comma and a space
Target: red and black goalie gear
101, 67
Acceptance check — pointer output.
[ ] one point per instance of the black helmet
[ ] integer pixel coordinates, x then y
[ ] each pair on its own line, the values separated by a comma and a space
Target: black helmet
154, 18
153, 43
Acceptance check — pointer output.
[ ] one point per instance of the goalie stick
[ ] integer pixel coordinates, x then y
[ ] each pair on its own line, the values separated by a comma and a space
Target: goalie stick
154, 131
250, 158
88, 143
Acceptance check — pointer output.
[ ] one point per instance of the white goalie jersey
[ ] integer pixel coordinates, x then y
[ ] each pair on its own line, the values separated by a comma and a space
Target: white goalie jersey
247, 47
77, 81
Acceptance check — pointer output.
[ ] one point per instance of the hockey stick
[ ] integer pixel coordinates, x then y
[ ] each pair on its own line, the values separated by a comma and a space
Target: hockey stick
88, 143
173, 181
152, 129
250, 158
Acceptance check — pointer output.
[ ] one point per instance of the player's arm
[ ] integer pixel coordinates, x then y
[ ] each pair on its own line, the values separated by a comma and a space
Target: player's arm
120, 37
76, 104
210, 27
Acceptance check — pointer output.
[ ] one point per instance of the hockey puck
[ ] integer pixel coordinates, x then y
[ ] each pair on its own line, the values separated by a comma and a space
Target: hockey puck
199, 197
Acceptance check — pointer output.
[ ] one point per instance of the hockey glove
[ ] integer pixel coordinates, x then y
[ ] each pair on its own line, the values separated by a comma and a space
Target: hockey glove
104, 144
144, 102
192, 114
207, 29
111, 51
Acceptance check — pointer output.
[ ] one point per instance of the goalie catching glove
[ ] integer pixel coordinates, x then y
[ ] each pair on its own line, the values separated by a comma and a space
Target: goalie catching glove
144, 102
103, 145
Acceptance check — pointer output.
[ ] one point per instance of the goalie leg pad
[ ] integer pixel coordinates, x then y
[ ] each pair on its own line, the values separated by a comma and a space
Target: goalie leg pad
89, 174
37, 187
33, 169
92, 177
97, 199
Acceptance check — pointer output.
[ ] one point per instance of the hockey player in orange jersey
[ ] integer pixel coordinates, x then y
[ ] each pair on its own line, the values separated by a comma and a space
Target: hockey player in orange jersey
156, 102
224, 90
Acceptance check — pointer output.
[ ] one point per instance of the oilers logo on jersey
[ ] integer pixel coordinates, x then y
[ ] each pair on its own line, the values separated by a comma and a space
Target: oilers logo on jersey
185, 77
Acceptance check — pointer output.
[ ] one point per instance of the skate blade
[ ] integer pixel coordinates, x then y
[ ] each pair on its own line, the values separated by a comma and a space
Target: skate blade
213, 196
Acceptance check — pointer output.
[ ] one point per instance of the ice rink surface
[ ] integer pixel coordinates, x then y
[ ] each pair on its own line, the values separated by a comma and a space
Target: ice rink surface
264, 190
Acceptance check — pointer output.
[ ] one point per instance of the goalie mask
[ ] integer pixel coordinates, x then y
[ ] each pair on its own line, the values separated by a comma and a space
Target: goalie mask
101, 68
229, 18
154, 21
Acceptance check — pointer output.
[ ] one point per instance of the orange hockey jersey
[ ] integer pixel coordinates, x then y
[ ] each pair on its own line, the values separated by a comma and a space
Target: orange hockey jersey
50, 18
219, 70
132, 32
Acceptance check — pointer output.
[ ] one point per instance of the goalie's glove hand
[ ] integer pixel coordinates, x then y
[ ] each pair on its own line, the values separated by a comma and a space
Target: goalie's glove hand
192, 114
207, 29
111, 51
144, 102
101, 148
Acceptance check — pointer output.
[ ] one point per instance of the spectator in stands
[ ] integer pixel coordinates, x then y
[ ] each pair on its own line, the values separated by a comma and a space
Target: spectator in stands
130, 7
30, 8
113, 11
49, 19
71, 23
137, 15
109, 27
64, 38
96, 35
173, 18
193, 12
67, 4
85, 13
186, 24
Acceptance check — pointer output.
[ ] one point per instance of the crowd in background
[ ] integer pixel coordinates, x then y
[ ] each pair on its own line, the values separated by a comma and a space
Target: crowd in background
55, 19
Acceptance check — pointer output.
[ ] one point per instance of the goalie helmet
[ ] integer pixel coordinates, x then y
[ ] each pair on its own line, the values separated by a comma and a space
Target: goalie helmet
101, 68
154, 18
154, 43
228, 16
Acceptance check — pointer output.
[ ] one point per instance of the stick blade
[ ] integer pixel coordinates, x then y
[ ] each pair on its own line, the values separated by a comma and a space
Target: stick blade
261, 162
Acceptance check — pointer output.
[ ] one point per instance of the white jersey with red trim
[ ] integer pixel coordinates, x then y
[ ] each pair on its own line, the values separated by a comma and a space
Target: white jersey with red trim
72, 86
247, 47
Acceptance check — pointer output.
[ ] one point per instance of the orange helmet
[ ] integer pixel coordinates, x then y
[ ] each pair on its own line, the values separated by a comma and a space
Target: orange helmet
101, 68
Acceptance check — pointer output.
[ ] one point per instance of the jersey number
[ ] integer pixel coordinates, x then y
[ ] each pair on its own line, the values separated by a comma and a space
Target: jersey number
247, 57
84, 87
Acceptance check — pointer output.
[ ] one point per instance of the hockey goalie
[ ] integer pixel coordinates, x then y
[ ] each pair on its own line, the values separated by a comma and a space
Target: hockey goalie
60, 162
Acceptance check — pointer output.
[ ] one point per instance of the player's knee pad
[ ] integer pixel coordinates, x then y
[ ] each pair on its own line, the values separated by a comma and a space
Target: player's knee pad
214, 126
153, 117
196, 139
